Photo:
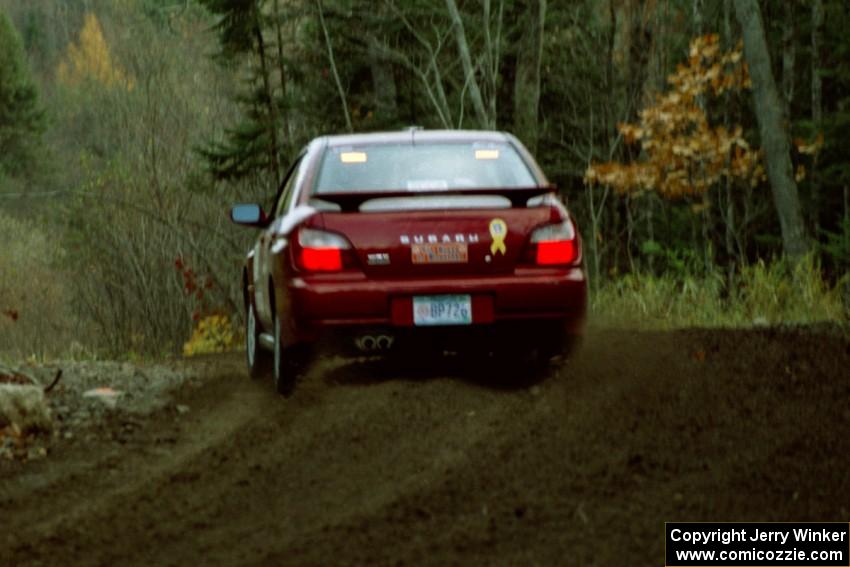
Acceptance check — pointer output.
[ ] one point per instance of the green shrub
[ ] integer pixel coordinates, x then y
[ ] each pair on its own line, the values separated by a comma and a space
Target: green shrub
34, 314
762, 293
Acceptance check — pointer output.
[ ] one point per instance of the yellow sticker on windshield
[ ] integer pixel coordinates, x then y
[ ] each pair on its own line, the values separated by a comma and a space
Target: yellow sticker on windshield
499, 231
486, 154
353, 157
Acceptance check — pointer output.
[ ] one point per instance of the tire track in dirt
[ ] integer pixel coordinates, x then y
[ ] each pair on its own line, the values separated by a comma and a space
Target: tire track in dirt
286, 432
376, 463
106, 474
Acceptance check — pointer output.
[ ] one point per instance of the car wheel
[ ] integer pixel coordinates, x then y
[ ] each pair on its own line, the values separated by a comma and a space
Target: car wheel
258, 359
284, 365
534, 358
561, 346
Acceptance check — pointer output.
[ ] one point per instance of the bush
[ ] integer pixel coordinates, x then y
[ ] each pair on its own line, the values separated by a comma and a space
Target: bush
773, 293
212, 334
34, 314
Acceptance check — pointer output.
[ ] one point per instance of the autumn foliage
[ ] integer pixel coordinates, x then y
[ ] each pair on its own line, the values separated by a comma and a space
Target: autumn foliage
90, 59
213, 328
682, 154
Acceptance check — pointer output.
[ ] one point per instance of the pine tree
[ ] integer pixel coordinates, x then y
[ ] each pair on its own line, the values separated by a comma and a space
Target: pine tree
253, 145
21, 118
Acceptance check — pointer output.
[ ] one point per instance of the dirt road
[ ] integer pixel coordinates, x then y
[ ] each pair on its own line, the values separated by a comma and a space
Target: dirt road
372, 464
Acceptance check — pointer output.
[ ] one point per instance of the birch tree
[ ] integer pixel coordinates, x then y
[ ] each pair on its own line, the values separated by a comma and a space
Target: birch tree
485, 119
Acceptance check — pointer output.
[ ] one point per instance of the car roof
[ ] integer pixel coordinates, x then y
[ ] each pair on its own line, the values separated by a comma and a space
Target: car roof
414, 135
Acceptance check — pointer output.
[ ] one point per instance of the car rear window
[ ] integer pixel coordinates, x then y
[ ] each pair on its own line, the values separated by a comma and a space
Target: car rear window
420, 167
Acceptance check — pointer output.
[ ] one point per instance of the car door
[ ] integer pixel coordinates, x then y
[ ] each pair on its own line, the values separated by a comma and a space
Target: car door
264, 255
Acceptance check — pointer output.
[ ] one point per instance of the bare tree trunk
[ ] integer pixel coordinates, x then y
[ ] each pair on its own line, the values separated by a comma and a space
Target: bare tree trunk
612, 36
630, 231
640, 44
729, 219
433, 86
650, 233
817, 105
274, 156
527, 84
334, 71
774, 137
707, 244
596, 216
609, 119
385, 94
281, 67
492, 53
484, 119
383, 82
596, 212
698, 11
789, 56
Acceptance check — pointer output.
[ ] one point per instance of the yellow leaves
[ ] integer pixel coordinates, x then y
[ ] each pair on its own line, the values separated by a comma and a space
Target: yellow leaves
682, 150
636, 176
708, 46
809, 149
700, 207
736, 55
746, 82
212, 334
709, 69
630, 132
682, 154
90, 60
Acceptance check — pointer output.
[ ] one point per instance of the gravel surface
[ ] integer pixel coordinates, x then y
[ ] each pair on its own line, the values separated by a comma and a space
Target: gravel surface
434, 462
91, 395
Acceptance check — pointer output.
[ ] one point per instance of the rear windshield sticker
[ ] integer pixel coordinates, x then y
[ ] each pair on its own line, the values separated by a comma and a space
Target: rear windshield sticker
353, 157
486, 154
427, 184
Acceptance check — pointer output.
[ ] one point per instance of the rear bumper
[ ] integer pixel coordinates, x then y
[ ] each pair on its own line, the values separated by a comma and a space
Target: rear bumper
332, 302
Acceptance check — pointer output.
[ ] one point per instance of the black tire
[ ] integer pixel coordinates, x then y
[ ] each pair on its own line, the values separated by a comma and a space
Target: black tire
538, 354
258, 360
285, 365
558, 346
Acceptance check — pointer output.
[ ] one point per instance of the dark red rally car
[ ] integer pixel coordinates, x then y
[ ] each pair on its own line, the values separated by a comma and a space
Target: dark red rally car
409, 240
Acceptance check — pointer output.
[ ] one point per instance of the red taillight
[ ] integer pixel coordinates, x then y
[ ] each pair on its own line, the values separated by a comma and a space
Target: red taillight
554, 245
555, 252
321, 259
321, 251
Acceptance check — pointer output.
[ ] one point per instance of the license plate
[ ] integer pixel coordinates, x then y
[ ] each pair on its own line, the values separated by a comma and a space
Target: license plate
444, 253
442, 310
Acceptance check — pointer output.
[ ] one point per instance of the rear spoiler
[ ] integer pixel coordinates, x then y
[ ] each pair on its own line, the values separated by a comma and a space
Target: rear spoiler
350, 201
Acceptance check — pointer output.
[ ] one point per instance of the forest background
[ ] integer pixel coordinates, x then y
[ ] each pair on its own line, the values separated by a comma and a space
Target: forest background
699, 143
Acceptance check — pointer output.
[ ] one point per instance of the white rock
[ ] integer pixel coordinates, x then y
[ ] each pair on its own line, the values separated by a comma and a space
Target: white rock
107, 396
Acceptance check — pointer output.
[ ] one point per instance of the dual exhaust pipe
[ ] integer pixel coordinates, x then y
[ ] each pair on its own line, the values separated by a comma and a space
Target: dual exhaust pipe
374, 343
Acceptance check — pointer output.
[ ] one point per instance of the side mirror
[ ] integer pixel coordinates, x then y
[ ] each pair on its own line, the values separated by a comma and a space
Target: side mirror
249, 215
